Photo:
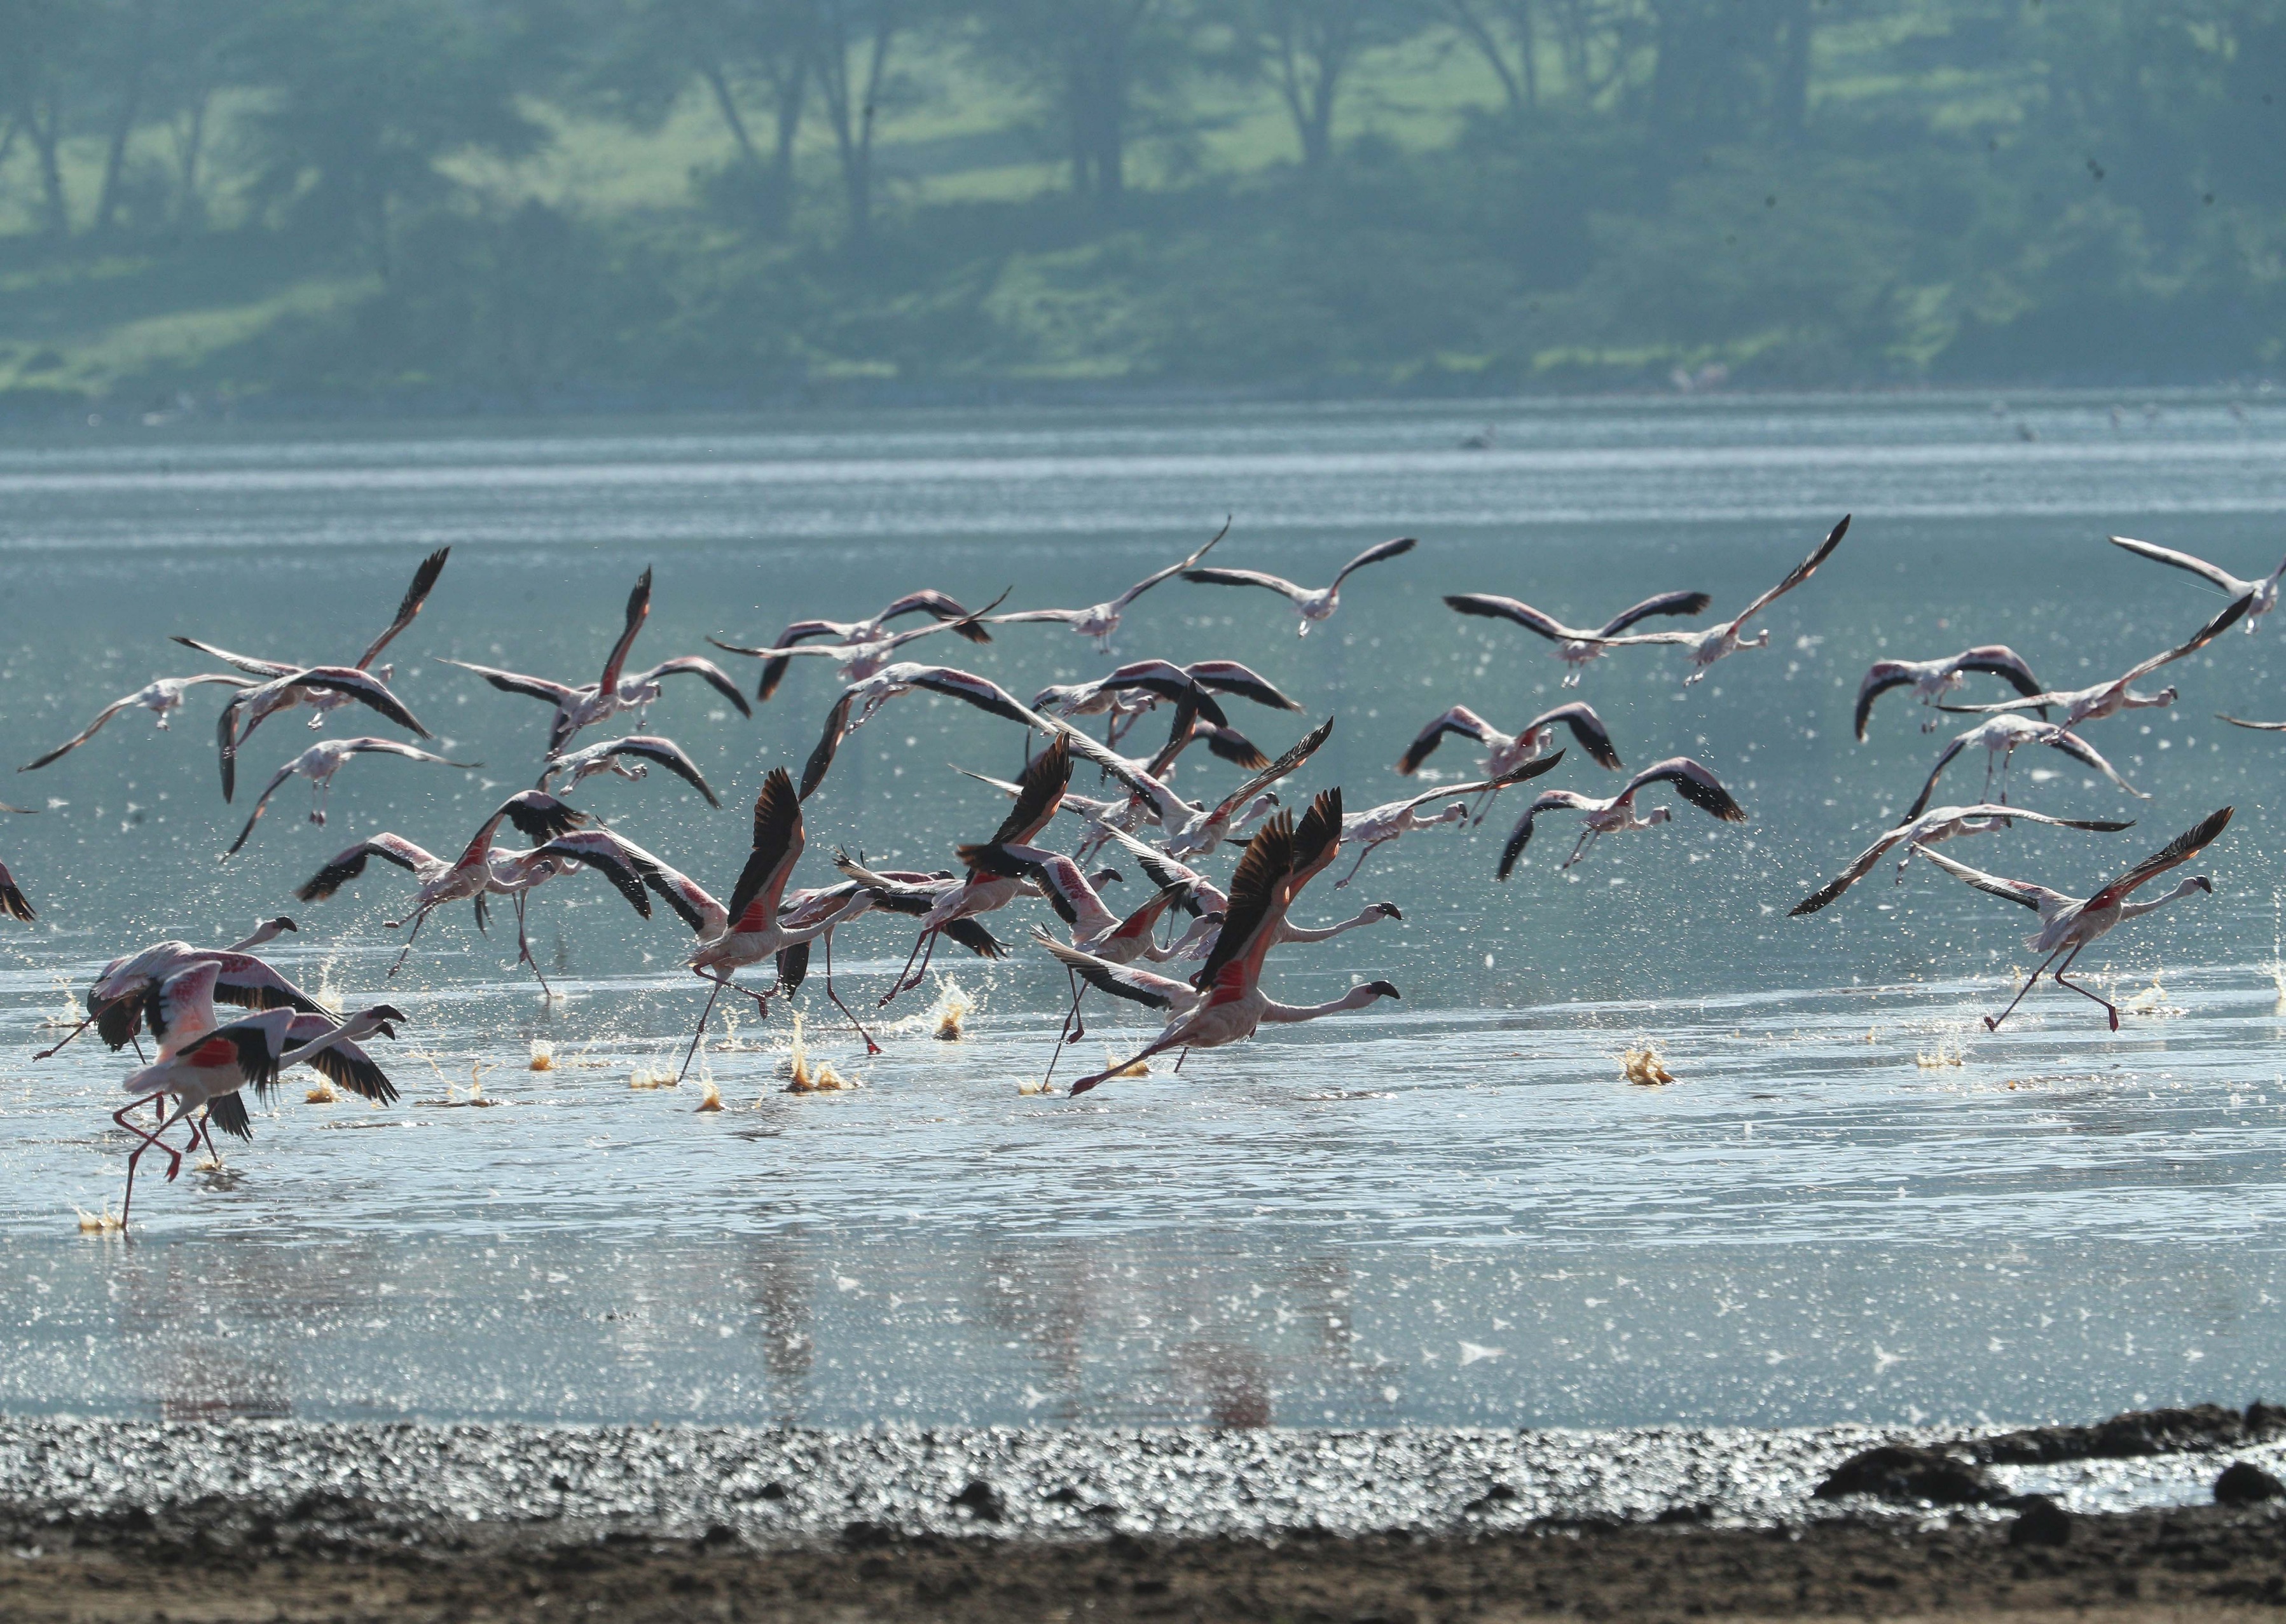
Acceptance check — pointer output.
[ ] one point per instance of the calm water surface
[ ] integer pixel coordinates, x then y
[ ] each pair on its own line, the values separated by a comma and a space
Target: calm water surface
1854, 1204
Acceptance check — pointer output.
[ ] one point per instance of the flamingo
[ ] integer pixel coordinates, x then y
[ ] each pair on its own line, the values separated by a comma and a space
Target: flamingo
2261, 596
114, 1003
869, 695
319, 764
1575, 647
1100, 621
2104, 699
162, 698
1194, 829
1720, 642
860, 658
1279, 861
1504, 751
628, 758
1376, 826
538, 816
12, 902
1153, 680
1691, 781
582, 708
324, 700
995, 875
2068, 924
2258, 727
1938, 824
1931, 679
750, 927
180, 1007
1208, 902
1314, 604
2003, 737
853, 634
263, 700
516, 874
211, 1063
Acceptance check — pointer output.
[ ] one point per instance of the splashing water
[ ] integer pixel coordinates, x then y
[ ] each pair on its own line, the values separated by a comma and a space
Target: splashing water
543, 1055
69, 1012
947, 1018
327, 994
646, 1075
712, 1099
1646, 1067
1941, 1057
104, 1223
322, 1092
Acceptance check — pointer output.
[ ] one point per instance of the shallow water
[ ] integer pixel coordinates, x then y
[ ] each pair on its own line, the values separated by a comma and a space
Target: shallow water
1452, 1209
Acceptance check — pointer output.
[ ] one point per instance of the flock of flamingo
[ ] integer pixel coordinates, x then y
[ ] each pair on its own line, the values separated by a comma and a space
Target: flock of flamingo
1225, 929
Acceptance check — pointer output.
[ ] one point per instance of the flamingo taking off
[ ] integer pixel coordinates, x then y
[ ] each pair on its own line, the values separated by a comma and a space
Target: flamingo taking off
1376, 826
1505, 751
1691, 781
1279, 861
856, 703
114, 1003
582, 708
1931, 679
539, 817
1720, 642
2103, 699
630, 758
2068, 924
516, 874
1193, 829
1938, 824
319, 764
1574, 647
162, 698
2260, 596
1100, 621
1312, 604
2003, 737
323, 699
856, 634
257, 704
861, 659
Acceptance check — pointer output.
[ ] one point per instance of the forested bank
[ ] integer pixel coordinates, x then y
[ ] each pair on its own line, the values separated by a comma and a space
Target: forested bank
541, 203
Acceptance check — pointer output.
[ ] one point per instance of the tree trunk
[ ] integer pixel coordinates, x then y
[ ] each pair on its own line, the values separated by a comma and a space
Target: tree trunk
47, 136
122, 126
790, 81
851, 111
1473, 27
190, 143
1789, 95
727, 106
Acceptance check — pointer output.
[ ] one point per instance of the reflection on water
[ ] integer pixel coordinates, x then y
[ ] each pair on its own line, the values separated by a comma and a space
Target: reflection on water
1854, 1204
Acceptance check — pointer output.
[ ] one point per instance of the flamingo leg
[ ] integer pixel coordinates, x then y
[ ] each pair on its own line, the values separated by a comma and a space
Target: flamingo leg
419, 919
871, 1046
67, 1037
523, 951
1992, 1022
701, 1032
906, 982
1157, 1046
1063, 1036
138, 1041
1354, 867
174, 1159
2110, 1008
1579, 849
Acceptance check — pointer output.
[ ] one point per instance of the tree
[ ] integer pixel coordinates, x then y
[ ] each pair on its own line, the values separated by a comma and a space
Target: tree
751, 56
1309, 47
364, 100
39, 44
1731, 69
850, 43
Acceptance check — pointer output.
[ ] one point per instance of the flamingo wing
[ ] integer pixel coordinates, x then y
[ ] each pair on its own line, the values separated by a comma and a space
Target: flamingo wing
1120, 981
1546, 800
261, 805
777, 846
1459, 720
627, 867
1488, 606
516, 681
1120, 604
1229, 677
2021, 892
82, 737
1694, 783
1998, 659
1248, 578
1294, 757
1587, 727
1514, 775
424, 582
2199, 567
2073, 745
1256, 892
2177, 852
2231, 613
348, 864
1884, 676
1849, 877
1039, 792
12, 901
2235, 721
1664, 604
1800, 573
1375, 554
268, 668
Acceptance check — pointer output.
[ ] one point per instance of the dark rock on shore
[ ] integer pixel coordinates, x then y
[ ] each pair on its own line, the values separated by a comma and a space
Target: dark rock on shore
1912, 1472
2244, 1484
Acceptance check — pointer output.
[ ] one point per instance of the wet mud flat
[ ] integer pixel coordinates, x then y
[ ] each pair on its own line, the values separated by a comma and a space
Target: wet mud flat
268, 1520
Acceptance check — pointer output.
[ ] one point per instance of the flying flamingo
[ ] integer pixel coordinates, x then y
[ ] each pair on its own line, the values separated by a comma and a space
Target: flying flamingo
2104, 699
1719, 642
1504, 751
750, 928
1208, 903
628, 758
1100, 621
1576, 646
582, 708
1919, 833
263, 700
114, 1003
538, 816
869, 695
1314, 604
1279, 861
1376, 826
2261, 596
2003, 737
1931, 679
1193, 828
1691, 781
180, 1007
212, 1063
859, 659
1117, 690
323, 699
162, 698
856, 634
2068, 924
516, 874
319, 764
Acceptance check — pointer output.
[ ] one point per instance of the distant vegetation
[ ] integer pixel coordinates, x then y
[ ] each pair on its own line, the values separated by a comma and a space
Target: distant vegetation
518, 203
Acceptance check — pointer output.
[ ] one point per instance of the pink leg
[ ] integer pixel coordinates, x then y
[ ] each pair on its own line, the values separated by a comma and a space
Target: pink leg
67, 1036
2110, 1008
871, 1046
701, 1032
1992, 1022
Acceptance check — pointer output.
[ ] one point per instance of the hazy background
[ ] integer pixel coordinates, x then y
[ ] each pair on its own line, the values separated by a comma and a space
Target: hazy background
515, 204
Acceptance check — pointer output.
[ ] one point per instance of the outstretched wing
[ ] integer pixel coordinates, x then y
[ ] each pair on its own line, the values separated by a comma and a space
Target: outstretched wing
516, 682
1248, 578
822, 753
1664, 603
2178, 851
1884, 676
1800, 573
1119, 604
638, 612
1998, 659
707, 671
2199, 567
1587, 728
1694, 783
1375, 554
1514, 775
2235, 721
1520, 837
629, 868
1294, 757
424, 581
1485, 604
244, 662
1944, 760
777, 846
1459, 720
261, 805
1850, 876
1257, 893
2073, 745
349, 864
2231, 613
1120, 981
2021, 892
666, 752
82, 737
12, 901
1228, 676
1039, 792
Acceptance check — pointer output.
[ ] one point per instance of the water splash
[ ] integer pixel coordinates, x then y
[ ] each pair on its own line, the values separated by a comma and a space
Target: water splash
712, 1099
1646, 1067
543, 1055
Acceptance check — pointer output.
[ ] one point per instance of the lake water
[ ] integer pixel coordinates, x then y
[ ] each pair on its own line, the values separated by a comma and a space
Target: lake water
1853, 1205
